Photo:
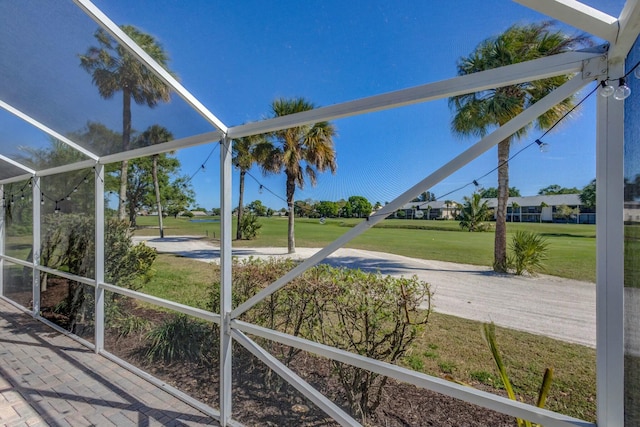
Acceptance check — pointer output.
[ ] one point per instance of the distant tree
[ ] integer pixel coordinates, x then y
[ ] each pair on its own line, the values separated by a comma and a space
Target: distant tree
566, 212
588, 195
257, 208
492, 193
426, 196
327, 209
247, 151
302, 208
215, 211
359, 206
299, 151
556, 189
474, 213
156, 134
114, 69
479, 113
377, 206
178, 196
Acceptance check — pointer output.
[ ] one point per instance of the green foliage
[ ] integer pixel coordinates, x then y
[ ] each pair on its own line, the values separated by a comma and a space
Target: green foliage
565, 212
474, 213
327, 209
588, 195
401, 214
368, 314
358, 206
250, 226
556, 189
492, 193
528, 252
425, 196
180, 339
187, 214
489, 334
257, 208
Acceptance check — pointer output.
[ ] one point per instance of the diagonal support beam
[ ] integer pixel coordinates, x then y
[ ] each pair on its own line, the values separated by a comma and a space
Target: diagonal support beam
511, 127
561, 64
629, 22
292, 378
578, 15
122, 38
47, 130
17, 164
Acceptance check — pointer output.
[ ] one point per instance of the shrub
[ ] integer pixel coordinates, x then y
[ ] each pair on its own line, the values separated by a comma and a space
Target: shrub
250, 225
180, 339
187, 214
474, 213
529, 250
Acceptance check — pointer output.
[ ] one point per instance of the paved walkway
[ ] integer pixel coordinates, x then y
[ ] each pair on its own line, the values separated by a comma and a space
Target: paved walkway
559, 308
47, 379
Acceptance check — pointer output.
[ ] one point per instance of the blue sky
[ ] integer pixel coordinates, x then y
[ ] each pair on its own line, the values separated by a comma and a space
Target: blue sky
237, 57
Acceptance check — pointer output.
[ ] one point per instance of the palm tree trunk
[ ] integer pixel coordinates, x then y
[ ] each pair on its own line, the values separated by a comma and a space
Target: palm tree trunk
240, 202
500, 245
156, 186
291, 239
126, 136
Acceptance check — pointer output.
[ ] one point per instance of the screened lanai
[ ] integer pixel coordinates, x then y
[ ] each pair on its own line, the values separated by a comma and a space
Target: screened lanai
64, 136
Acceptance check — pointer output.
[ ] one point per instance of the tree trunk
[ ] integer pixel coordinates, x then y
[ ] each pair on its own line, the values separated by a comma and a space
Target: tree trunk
156, 186
500, 245
126, 136
291, 239
240, 202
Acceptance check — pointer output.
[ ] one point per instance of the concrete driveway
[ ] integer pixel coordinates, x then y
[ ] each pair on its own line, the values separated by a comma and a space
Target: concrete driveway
545, 305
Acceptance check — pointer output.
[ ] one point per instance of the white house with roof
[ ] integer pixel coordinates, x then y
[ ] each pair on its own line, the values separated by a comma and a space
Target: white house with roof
546, 209
437, 209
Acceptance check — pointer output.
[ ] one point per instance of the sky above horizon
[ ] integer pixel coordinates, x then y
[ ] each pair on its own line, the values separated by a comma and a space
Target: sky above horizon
237, 57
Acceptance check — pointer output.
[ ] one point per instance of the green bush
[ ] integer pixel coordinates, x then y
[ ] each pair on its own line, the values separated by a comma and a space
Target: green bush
180, 339
187, 214
250, 225
528, 251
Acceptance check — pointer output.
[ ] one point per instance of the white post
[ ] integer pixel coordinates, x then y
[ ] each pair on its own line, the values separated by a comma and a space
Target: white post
610, 258
99, 254
2, 234
225, 282
37, 213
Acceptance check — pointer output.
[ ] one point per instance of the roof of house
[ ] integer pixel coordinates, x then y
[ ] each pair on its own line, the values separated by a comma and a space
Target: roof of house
551, 200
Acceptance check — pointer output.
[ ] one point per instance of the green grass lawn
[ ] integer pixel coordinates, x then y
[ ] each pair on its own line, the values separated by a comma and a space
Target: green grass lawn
572, 247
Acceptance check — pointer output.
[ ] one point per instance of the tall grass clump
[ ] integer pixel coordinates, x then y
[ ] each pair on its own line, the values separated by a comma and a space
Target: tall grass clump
528, 252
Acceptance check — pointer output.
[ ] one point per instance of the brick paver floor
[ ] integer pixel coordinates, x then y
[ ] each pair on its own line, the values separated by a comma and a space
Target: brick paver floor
48, 379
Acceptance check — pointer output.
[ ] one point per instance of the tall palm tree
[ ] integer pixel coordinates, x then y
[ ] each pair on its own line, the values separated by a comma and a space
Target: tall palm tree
478, 113
113, 70
247, 151
299, 151
156, 134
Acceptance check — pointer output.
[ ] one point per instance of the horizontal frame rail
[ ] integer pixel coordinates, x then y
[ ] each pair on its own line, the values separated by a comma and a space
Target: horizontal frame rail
467, 394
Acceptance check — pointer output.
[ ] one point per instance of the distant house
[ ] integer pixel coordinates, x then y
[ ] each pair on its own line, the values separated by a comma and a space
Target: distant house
199, 213
430, 210
546, 209
631, 211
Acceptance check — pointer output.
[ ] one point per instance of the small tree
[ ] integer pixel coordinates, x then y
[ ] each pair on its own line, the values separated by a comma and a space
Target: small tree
249, 226
474, 213
528, 251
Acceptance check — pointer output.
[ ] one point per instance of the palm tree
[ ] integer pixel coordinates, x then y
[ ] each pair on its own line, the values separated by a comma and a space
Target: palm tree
474, 213
113, 70
477, 113
156, 134
299, 151
247, 151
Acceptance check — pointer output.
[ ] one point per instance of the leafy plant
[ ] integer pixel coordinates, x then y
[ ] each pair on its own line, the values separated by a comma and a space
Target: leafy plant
474, 213
179, 339
489, 334
250, 225
529, 250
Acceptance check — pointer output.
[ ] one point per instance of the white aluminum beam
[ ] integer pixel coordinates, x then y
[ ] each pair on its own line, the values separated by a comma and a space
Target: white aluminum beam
121, 37
226, 300
578, 15
47, 130
292, 378
2, 245
629, 22
162, 148
85, 164
524, 118
610, 259
36, 239
16, 178
439, 385
99, 249
17, 164
565, 63
180, 308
